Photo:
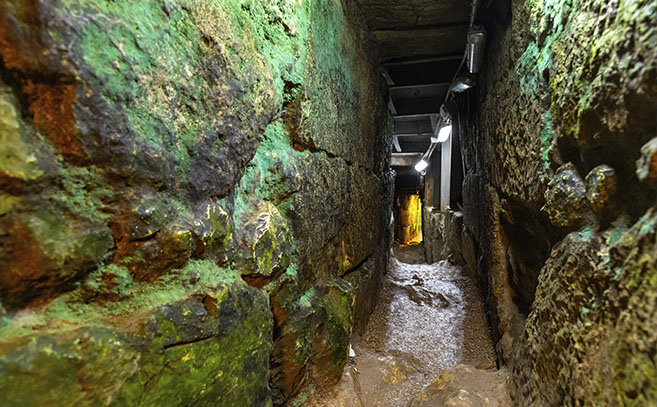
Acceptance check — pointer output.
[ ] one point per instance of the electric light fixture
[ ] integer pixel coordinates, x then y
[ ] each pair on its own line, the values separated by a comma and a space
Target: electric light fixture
444, 132
462, 83
475, 48
421, 165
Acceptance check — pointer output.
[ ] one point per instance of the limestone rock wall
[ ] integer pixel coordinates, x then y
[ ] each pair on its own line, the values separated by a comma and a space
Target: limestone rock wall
447, 238
183, 187
560, 197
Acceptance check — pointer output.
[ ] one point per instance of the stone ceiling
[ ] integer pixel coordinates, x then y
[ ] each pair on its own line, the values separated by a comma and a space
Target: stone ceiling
413, 28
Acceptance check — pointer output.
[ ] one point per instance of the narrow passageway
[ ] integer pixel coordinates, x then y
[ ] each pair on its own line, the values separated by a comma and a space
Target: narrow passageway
328, 203
429, 318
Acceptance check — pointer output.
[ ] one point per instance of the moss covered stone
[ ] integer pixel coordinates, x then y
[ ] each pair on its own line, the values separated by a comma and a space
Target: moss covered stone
212, 345
82, 367
169, 167
601, 184
565, 198
337, 312
264, 243
16, 161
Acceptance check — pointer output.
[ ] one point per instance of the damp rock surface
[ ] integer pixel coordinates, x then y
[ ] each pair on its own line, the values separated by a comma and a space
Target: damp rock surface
559, 198
429, 318
465, 386
184, 185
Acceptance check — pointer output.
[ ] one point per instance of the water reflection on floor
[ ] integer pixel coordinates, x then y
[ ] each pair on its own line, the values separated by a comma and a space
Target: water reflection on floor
428, 318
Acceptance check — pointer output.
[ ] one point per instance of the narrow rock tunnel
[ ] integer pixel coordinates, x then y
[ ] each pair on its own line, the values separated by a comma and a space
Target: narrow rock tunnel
356, 203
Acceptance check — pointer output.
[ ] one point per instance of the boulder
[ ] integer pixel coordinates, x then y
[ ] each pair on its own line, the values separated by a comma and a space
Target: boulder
565, 198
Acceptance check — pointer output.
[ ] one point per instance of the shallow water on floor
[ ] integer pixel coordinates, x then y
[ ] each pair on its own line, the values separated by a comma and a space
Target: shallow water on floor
424, 316
428, 318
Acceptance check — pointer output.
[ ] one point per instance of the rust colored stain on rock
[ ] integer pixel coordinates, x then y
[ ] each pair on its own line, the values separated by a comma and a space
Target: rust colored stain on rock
289, 372
52, 107
10, 185
11, 35
50, 101
22, 262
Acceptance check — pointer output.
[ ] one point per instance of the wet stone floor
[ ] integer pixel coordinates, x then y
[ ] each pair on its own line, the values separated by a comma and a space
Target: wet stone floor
427, 343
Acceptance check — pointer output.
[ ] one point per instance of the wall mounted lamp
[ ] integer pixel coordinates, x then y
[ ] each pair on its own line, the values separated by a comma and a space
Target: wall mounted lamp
462, 83
475, 48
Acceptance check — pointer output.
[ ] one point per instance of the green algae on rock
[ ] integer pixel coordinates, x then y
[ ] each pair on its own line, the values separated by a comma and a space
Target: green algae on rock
190, 346
156, 161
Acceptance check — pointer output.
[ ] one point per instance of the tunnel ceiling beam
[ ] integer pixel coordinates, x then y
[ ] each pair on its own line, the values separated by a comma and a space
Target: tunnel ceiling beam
427, 134
392, 64
413, 117
405, 159
429, 90
395, 13
403, 43
417, 127
395, 142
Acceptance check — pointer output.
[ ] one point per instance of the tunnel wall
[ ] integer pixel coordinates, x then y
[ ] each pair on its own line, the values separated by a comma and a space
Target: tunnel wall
408, 216
194, 199
561, 161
